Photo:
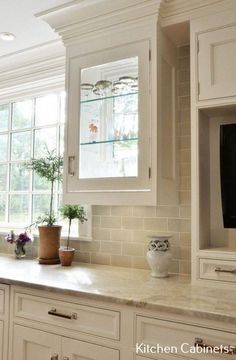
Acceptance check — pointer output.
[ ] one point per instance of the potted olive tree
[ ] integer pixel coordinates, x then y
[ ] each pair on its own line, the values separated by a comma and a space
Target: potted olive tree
70, 212
49, 168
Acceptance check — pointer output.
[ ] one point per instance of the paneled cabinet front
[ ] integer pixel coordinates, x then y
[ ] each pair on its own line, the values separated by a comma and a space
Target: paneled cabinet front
217, 72
1, 340
32, 344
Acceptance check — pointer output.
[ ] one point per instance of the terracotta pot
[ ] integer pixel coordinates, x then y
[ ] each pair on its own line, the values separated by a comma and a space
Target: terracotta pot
66, 256
49, 243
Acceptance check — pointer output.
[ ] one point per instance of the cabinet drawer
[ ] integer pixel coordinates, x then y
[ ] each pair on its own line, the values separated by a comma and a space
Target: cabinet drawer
219, 270
86, 319
174, 339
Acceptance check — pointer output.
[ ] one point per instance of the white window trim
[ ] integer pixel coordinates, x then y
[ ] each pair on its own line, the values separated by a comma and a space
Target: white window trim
26, 82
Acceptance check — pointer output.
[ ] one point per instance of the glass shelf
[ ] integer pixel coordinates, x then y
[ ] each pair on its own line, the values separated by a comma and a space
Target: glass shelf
108, 141
108, 97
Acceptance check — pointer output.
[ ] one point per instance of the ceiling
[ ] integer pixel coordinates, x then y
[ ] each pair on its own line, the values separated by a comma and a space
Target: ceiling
17, 17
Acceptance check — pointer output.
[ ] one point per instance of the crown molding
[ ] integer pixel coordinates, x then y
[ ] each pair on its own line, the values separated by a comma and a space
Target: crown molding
33, 71
177, 11
81, 18
87, 18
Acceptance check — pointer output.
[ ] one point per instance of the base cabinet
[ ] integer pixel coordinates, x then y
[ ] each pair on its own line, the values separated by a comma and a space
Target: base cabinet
33, 344
74, 349
1, 340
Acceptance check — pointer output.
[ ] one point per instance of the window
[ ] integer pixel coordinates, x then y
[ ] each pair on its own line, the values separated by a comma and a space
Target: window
28, 128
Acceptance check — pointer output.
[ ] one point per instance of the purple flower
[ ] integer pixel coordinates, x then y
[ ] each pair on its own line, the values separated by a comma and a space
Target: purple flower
23, 238
10, 237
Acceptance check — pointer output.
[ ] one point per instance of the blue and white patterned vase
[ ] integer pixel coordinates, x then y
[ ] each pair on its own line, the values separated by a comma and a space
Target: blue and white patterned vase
159, 256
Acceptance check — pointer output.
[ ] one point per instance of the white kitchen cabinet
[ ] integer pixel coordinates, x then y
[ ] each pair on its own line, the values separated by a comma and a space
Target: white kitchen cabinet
1, 339
4, 320
213, 102
213, 43
74, 349
216, 65
120, 106
32, 344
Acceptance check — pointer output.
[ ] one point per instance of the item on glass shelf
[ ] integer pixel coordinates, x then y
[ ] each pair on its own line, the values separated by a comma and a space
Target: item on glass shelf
86, 86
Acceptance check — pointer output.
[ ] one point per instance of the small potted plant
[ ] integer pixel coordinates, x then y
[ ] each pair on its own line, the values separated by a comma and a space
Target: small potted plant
49, 168
158, 255
70, 212
19, 241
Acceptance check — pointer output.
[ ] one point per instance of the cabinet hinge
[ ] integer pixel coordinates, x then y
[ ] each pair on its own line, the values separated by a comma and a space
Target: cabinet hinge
198, 87
198, 46
149, 173
150, 55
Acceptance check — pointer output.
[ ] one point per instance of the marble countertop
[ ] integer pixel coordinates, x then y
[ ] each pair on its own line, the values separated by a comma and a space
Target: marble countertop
174, 294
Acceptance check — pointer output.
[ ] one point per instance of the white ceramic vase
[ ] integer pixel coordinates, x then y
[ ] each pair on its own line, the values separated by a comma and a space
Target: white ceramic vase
159, 256
159, 263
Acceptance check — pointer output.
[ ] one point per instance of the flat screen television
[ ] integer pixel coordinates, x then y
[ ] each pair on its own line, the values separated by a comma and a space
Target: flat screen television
228, 173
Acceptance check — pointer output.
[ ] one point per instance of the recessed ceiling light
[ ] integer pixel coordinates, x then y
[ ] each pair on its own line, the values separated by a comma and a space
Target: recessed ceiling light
6, 36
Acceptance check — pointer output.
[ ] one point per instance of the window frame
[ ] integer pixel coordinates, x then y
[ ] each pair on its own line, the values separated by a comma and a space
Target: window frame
85, 232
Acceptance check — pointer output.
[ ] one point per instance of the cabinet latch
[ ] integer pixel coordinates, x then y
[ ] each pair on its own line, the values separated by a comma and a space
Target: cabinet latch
149, 173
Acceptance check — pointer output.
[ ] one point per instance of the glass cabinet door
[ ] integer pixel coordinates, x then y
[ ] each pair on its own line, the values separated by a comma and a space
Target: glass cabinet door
109, 127
109, 124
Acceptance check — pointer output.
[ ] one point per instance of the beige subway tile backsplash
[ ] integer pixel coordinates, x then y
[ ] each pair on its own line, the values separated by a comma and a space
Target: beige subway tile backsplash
133, 223
156, 224
112, 222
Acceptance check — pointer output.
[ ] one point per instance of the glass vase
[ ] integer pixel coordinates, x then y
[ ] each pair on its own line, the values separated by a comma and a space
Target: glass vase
20, 251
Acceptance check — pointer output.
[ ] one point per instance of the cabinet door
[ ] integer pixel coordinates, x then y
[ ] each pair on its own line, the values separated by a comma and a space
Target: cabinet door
109, 127
80, 350
1, 340
216, 63
31, 344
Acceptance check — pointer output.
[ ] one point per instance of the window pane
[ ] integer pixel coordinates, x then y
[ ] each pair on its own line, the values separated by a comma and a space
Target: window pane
3, 147
47, 110
3, 202
20, 148
62, 140
41, 205
4, 117
63, 103
20, 177
40, 184
19, 208
3, 177
45, 139
22, 113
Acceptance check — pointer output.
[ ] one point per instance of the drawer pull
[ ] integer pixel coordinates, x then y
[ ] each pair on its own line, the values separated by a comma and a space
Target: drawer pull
233, 271
70, 162
55, 313
229, 350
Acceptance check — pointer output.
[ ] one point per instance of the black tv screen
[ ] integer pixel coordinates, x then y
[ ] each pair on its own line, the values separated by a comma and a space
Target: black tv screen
228, 173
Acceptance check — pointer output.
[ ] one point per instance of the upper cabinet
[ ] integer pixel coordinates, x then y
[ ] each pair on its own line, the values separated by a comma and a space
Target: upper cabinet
120, 132
214, 44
